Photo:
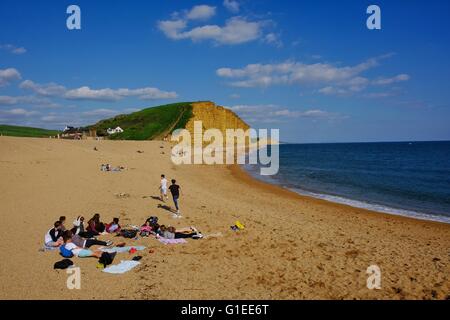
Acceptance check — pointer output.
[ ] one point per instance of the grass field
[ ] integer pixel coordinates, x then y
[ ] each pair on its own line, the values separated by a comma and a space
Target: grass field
16, 131
148, 123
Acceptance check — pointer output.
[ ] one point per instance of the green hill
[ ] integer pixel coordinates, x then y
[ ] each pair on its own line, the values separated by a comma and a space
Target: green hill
16, 131
146, 124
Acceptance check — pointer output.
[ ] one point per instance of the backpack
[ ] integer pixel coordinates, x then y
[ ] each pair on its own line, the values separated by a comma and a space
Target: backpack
128, 233
63, 264
106, 258
66, 253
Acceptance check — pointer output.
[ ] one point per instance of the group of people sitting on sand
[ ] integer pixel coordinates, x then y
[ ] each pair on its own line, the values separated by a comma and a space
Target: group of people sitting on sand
78, 240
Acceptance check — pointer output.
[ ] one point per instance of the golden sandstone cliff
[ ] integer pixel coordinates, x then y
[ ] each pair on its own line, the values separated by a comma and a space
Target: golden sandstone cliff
214, 117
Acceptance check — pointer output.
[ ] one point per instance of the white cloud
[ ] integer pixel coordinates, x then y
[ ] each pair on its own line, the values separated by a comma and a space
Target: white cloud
274, 113
48, 90
13, 49
231, 5
86, 93
386, 81
274, 39
20, 112
105, 94
8, 75
101, 112
330, 78
201, 12
237, 30
31, 100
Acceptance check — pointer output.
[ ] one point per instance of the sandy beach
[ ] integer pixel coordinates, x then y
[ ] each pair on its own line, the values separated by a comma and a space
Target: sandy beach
293, 247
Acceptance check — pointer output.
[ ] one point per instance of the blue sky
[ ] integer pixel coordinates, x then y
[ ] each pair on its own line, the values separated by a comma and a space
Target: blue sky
310, 68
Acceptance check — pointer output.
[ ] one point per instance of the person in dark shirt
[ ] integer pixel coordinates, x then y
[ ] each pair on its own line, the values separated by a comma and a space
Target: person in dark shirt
175, 191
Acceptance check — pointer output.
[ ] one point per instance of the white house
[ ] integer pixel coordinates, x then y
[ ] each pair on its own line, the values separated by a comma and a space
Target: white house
113, 131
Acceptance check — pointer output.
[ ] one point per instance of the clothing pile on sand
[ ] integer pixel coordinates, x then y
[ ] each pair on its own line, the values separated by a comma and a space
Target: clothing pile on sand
108, 167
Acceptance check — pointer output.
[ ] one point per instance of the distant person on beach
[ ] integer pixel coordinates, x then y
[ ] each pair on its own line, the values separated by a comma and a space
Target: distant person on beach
53, 236
77, 251
163, 188
175, 191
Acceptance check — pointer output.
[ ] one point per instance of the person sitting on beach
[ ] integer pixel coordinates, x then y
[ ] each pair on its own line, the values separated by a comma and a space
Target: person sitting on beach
113, 227
87, 243
146, 229
149, 227
76, 250
53, 236
172, 233
78, 228
78, 225
95, 226
62, 219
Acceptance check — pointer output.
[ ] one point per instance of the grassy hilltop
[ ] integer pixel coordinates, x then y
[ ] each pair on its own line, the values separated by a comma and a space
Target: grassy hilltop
16, 131
147, 124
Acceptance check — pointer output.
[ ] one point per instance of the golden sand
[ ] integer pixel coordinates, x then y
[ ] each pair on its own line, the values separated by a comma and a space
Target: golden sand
293, 247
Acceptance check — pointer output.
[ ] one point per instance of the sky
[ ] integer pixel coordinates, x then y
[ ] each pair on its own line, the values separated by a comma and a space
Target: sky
309, 68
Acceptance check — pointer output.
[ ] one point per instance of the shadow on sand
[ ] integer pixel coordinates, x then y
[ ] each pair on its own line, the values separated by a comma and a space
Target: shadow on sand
165, 207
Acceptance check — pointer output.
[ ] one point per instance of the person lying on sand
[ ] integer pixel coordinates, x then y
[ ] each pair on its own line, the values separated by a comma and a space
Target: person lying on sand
76, 250
53, 236
113, 227
87, 243
172, 233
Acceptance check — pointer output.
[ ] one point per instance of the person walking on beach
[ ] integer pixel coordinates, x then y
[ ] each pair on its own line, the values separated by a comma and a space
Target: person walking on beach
163, 188
175, 191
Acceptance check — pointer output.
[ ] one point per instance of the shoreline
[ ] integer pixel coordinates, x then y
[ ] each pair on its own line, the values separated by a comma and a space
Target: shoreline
240, 173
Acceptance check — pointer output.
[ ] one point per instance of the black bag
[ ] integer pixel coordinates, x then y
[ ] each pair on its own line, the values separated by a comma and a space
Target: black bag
128, 233
107, 258
63, 264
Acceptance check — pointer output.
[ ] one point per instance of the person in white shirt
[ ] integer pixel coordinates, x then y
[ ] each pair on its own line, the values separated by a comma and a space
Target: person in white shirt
163, 188
53, 236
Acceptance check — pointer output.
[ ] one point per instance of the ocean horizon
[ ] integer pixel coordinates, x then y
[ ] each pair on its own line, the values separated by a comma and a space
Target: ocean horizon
409, 178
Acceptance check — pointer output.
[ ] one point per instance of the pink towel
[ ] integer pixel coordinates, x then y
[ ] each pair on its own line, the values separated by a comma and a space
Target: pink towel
171, 241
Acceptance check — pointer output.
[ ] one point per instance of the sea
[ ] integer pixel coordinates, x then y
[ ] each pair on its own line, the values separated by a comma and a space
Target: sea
400, 178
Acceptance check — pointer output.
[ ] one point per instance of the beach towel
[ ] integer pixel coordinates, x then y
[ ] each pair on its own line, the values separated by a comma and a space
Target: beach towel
47, 248
122, 267
122, 249
171, 241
